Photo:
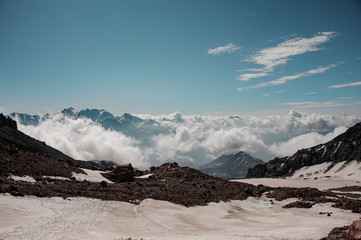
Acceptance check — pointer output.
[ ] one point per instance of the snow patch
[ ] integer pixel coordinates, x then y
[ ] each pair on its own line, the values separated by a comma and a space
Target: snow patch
320, 148
339, 144
91, 176
341, 170
56, 177
23, 179
145, 176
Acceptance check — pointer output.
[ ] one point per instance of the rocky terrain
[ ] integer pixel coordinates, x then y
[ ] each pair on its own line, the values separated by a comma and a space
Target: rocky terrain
12, 137
351, 232
46, 172
230, 166
345, 147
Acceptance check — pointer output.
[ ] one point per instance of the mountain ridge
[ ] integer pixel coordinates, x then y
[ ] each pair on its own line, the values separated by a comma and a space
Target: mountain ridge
345, 147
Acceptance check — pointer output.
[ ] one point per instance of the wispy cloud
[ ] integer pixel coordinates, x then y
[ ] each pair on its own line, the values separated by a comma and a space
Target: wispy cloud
346, 85
274, 56
229, 48
310, 93
250, 70
248, 76
280, 54
329, 104
285, 79
315, 104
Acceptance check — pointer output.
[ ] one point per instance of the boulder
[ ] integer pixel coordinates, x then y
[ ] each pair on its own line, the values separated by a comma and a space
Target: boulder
122, 173
351, 232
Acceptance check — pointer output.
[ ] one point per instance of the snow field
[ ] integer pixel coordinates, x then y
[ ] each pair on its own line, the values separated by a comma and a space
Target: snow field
82, 218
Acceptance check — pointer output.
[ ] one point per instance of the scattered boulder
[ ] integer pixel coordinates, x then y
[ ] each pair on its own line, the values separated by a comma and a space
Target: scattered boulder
299, 204
351, 232
103, 184
306, 194
122, 173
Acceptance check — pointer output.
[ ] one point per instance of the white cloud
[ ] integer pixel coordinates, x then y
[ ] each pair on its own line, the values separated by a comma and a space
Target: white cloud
311, 104
280, 54
310, 93
346, 85
248, 76
4, 110
286, 79
198, 139
229, 48
83, 139
251, 70
272, 57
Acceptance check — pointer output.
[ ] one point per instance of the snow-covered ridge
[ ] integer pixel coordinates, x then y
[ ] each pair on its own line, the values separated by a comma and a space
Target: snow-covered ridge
322, 176
342, 170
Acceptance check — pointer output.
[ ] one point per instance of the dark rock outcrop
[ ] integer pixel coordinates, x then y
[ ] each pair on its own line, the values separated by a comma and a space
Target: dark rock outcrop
299, 204
9, 135
22, 155
7, 122
122, 173
345, 147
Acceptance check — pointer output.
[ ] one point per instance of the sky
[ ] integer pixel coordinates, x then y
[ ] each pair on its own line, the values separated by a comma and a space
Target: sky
196, 57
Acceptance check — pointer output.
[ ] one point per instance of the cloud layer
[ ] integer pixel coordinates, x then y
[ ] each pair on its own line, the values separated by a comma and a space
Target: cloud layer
191, 140
85, 140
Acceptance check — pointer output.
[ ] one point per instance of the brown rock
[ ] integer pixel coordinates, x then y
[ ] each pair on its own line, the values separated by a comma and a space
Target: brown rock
122, 173
352, 232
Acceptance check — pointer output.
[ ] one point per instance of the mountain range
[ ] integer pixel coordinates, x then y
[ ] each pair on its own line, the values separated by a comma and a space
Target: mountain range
129, 125
226, 166
125, 123
143, 130
231, 166
345, 147
168, 138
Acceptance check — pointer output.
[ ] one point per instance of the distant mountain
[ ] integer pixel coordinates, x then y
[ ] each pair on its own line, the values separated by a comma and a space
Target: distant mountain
127, 124
345, 147
231, 166
26, 119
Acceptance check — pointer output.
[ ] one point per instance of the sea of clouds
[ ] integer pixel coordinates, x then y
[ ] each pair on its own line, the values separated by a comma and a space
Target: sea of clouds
190, 140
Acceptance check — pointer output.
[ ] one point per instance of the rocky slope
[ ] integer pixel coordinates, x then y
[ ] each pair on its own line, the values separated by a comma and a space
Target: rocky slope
345, 147
11, 136
231, 166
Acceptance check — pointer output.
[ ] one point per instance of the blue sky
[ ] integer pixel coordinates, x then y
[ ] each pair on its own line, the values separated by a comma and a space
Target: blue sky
196, 57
